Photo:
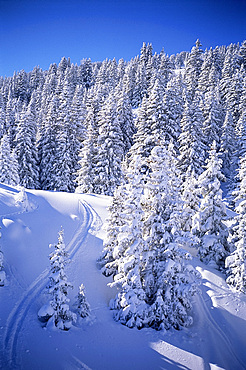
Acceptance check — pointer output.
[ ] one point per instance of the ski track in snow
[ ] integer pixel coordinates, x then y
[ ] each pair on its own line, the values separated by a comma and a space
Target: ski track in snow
19, 312
213, 324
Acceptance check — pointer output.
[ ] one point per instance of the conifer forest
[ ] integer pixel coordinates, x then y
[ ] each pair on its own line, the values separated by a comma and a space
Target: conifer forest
165, 137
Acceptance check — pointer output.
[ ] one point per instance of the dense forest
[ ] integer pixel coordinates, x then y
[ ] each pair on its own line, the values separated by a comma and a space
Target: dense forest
161, 133
73, 126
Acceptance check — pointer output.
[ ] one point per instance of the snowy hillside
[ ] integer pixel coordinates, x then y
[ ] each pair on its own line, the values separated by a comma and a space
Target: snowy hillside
216, 339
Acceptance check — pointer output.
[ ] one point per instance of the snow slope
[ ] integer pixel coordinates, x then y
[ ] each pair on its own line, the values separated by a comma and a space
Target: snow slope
216, 340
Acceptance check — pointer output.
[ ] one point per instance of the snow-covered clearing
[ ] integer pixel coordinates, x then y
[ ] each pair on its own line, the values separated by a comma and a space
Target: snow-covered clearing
216, 340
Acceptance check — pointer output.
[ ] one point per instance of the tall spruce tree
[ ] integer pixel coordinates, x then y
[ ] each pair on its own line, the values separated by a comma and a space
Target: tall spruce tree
8, 164
108, 173
62, 317
236, 262
208, 223
25, 149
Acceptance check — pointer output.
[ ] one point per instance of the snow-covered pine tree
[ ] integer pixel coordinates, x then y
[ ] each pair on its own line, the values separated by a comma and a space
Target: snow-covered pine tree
67, 145
155, 283
25, 149
47, 146
235, 263
3, 129
58, 286
82, 305
125, 117
78, 113
191, 200
129, 305
173, 105
8, 164
109, 150
86, 173
212, 111
193, 69
228, 148
114, 224
192, 148
169, 281
208, 223
151, 123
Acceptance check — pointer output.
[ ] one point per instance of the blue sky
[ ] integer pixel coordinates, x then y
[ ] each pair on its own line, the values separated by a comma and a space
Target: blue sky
40, 32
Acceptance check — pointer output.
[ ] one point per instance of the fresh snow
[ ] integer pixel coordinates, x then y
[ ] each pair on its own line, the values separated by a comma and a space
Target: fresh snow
216, 340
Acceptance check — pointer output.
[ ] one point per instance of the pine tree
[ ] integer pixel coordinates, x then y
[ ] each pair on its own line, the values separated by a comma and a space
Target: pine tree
169, 280
173, 105
114, 224
129, 305
87, 163
67, 146
26, 151
82, 305
62, 317
149, 269
192, 148
213, 119
208, 223
125, 117
228, 147
235, 263
110, 150
193, 70
191, 200
47, 146
8, 164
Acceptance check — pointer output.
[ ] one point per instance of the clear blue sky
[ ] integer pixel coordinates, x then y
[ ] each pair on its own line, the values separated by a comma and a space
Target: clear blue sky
40, 32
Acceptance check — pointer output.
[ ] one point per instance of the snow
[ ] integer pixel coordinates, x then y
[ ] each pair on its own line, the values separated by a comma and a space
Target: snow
216, 340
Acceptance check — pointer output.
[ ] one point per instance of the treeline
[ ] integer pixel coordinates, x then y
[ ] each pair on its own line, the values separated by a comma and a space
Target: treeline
73, 126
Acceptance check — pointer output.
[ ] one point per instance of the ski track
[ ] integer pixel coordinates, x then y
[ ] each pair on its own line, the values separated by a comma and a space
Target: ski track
216, 327
19, 312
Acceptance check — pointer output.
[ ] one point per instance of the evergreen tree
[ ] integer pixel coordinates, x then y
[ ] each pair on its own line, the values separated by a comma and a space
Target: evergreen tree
87, 163
47, 146
193, 69
208, 223
26, 151
82, 305
213, 119
236, 262
150, 123
2, 117
62, 317
192, 148
191, 200
125, 117
155, 284
173, 105
110, 150
129, 304
8, 164
228, 147
114, 224
67, 147
169, 281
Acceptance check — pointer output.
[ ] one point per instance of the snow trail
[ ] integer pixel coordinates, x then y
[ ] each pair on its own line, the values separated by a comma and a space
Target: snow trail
18, 314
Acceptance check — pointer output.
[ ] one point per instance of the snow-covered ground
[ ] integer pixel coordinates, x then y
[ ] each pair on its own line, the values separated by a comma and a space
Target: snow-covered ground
217, 339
